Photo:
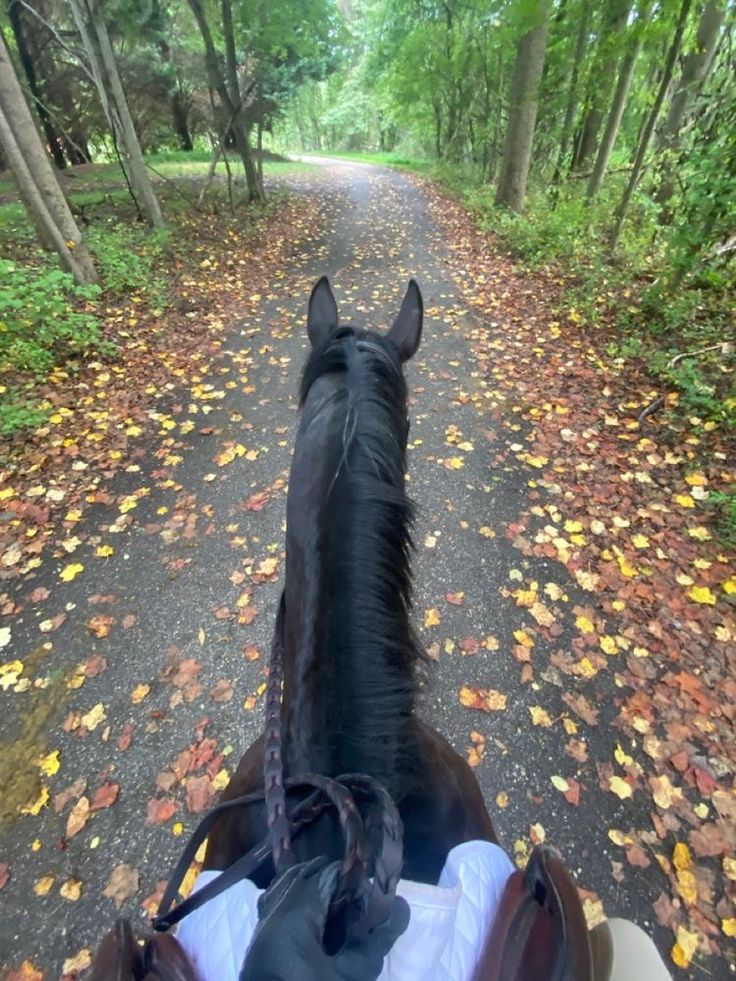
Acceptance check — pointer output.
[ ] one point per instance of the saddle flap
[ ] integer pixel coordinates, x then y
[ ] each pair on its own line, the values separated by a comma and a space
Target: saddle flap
539, 932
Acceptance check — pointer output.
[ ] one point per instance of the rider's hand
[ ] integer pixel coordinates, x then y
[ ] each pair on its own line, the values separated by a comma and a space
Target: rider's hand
287, 943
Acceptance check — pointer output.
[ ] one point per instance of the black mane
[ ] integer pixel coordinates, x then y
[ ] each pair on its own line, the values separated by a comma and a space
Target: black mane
366, 645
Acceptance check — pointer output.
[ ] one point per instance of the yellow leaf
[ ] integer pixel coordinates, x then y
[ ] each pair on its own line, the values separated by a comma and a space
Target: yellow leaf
525, 597
681, 857
729, 926
597, 527
432, 617
71, 571
454, 463
687, 944
487, 532
696, 480
71, 890
523, 638
729, 868
627, 569
540, 716
702, 594
79, 962
41, 801
220, 780
559, 783
608, 644
699, 533
573, 526
617, 837
6, 493
620, 787
729, 586
687, 886
267, 567
93, 718
584, 625
177, 828
684, 500
622, 758
535, 461
640, 541
43, 886
104, 551
9, 673
139, 693
49, 764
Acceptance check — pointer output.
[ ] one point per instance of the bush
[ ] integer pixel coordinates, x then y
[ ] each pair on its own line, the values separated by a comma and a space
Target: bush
40, 319
127, 257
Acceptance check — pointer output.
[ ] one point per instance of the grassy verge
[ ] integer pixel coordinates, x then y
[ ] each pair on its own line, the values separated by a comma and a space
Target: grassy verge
48, 325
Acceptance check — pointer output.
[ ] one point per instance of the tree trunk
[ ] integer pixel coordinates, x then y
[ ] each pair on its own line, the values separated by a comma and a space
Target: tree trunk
602, 72
651, 122
530, 51
695, 67
180, 118
618, 105
93, 30
572, 92
52, 137
229, 109
36, 178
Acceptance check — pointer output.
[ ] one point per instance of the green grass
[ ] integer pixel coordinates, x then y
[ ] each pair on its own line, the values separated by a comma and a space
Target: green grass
385, 159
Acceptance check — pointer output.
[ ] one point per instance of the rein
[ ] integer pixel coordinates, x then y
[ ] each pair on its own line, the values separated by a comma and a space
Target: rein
369, 821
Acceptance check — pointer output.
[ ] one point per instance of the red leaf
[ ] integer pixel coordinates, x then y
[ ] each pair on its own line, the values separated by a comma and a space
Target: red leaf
126, 737
160, 809
104, 796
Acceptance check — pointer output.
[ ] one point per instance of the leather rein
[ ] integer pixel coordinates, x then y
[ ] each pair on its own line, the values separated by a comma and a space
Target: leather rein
369, 821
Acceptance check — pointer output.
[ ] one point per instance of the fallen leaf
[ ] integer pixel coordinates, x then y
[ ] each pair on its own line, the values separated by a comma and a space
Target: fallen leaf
122, 884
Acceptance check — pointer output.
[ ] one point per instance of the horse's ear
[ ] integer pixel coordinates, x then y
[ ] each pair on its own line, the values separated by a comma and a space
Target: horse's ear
321, 313
406, 332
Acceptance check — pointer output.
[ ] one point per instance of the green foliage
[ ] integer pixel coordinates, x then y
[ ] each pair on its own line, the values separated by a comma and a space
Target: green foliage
127, 259
40, 317
724, 505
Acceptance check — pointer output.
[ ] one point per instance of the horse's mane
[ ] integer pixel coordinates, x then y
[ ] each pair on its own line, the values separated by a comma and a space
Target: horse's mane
366, 641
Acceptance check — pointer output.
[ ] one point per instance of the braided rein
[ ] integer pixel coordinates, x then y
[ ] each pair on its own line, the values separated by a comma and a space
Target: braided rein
369, 821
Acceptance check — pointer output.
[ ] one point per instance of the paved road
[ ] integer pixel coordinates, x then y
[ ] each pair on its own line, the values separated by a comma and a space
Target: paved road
180, 567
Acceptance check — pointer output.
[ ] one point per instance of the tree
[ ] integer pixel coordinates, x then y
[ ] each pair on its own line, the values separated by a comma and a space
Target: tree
695, 67
651, 120
226, 85
618, 104
37, 183
528, 67
602, 71
572, 91
92, 28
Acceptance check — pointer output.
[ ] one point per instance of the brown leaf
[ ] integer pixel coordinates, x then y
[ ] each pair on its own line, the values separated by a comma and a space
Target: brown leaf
160, 809
222, 691
457, 599
122, 884
4, 874
199, 793
579, 704
78, 817
95, 665
104, 796
484, 699
70, 793
126, 737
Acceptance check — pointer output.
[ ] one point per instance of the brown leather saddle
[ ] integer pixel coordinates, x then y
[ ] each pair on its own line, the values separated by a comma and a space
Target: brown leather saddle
539, 932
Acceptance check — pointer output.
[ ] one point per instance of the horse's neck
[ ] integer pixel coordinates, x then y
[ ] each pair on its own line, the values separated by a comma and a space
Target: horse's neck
347, 690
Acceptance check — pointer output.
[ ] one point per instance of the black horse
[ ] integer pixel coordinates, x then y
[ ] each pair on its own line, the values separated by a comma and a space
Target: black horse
352, 663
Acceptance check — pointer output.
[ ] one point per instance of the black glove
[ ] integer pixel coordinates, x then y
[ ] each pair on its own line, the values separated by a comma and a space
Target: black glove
287, 943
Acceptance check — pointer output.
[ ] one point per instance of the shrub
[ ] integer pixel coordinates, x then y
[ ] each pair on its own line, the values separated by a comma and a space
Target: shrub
40, 319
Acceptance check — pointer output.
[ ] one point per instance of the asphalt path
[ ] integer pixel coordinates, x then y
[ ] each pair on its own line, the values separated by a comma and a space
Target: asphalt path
188, 552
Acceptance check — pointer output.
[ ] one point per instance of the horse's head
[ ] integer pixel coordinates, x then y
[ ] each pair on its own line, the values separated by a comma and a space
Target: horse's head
360, 369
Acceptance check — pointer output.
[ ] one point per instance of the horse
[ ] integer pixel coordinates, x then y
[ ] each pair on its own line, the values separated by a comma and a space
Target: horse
352, 663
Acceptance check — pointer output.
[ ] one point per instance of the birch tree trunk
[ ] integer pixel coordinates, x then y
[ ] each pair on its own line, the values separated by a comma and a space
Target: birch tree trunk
36, 179
91, 25
530, 51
